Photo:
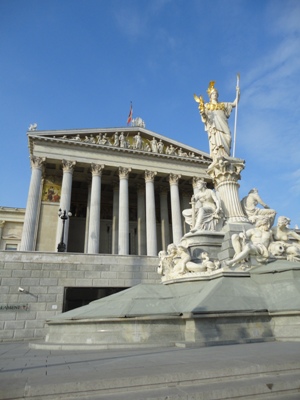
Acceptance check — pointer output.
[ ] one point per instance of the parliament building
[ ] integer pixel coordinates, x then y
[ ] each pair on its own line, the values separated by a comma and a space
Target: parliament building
101, 204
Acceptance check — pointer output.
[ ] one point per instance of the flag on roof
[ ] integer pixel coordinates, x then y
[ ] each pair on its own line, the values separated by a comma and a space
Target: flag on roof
129, 119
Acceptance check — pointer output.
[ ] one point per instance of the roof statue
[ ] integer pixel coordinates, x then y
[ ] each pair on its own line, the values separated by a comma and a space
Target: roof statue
138, 122
33, 127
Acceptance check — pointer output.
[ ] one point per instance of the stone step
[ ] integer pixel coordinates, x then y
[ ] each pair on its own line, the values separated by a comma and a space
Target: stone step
266, 383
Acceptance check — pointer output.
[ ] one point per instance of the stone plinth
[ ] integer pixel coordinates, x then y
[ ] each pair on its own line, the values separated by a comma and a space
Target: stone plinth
199, 242
226, 250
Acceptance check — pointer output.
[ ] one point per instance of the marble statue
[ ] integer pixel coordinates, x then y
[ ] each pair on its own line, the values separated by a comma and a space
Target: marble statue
206, 209
98, 138
220, 223
154, 147
123, 141
286, 241
160, 146
138, 143
254, 213
116, 139
89, 139
166, 258
104, 140
171, 150
253, 242
215, 116
138, 122
176, 263
33, 127
182, 153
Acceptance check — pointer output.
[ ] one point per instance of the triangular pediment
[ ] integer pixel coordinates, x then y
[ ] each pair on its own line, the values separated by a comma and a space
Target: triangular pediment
135, 139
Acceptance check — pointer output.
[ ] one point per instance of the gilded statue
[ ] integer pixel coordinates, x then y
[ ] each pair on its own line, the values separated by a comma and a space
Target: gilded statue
215, 116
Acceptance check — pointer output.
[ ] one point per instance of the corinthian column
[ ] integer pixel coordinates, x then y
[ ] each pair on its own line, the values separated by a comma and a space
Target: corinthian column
123, 211
94, 225
65, 200
115, 220
150, 214
31, 217
225, 174
164, 215
175, 208
141, 221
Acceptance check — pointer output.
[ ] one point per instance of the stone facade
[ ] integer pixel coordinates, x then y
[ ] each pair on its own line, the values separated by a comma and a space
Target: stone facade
124, 199
11, 226
45, 277
125, 188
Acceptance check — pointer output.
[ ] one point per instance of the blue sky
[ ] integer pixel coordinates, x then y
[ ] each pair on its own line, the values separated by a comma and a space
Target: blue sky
78, 63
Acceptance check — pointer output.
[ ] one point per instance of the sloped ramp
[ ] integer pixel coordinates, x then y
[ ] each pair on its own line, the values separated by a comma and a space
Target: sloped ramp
229, 309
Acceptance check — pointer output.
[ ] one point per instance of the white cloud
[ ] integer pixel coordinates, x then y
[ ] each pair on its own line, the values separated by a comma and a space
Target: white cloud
270, 102
130, 21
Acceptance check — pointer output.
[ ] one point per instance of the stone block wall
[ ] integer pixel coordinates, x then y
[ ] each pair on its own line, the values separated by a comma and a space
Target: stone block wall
43, 276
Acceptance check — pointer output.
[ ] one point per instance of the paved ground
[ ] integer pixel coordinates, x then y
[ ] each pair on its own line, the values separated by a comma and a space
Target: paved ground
260, 371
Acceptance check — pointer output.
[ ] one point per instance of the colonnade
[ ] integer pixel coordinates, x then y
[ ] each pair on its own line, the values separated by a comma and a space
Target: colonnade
146, 211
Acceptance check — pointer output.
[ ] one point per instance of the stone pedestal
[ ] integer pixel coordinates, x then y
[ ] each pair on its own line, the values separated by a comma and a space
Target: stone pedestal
226, 250
201, 241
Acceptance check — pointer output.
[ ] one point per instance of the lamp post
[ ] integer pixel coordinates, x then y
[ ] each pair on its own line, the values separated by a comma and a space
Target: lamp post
63, 215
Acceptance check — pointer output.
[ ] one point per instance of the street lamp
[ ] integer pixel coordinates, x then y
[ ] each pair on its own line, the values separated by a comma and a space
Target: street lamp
63, 215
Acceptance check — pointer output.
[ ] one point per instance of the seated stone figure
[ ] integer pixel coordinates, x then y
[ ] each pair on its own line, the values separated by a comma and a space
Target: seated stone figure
254, 213
206, 210
286, 241
176, 261
253, 242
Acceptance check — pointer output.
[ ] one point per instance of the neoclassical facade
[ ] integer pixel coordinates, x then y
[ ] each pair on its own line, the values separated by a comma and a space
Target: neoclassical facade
125, 188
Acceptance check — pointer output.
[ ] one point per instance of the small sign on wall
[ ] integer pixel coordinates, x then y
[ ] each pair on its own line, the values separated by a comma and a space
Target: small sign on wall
14, 307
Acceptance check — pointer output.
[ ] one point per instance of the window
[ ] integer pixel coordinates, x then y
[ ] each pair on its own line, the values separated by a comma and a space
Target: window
11, 247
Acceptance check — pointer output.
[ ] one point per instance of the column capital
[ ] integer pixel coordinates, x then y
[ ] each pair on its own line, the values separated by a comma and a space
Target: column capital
149, 176
37, 162
68, 166
2, 223
124, 172
225, 171
174, 178
96, 169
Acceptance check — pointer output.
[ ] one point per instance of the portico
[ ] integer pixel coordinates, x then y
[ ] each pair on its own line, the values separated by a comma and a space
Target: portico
123, 200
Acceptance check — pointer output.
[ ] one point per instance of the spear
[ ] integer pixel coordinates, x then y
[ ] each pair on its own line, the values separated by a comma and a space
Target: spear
236, 112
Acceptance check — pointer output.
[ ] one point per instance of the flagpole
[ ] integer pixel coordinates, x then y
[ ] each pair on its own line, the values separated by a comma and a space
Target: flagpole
236, 113
129, 119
